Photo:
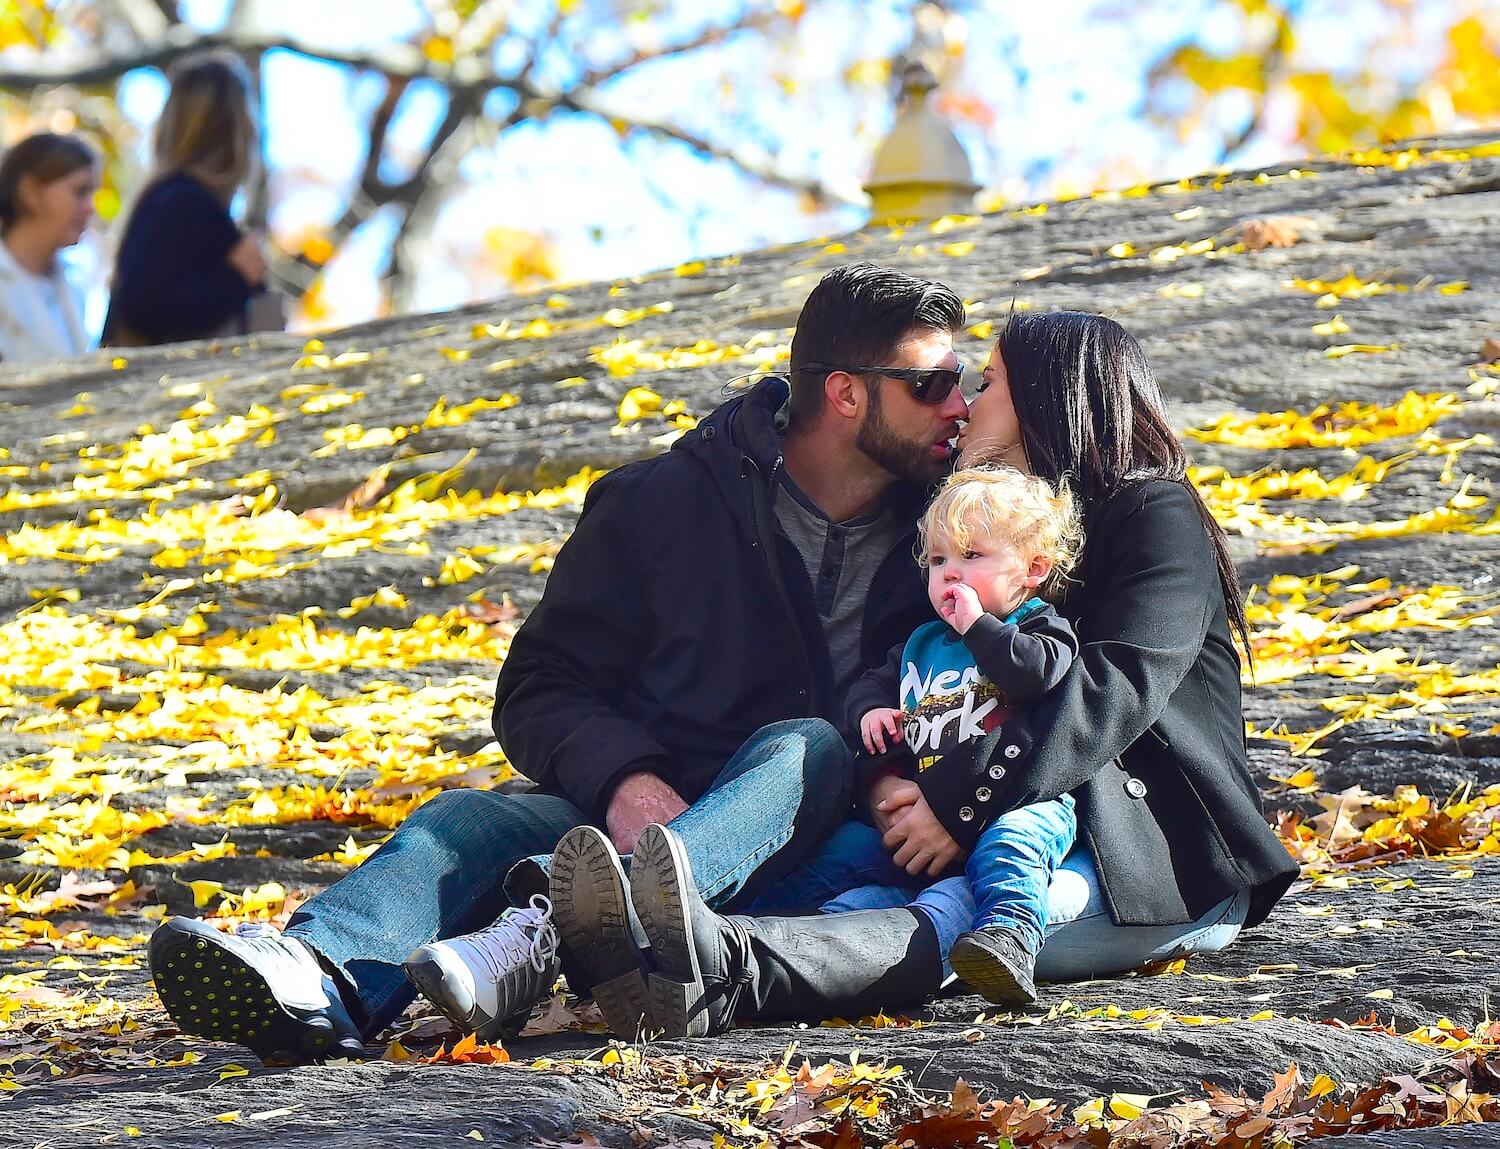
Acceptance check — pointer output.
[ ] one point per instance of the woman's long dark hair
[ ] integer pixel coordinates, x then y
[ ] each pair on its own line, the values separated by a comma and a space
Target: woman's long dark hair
1091, 412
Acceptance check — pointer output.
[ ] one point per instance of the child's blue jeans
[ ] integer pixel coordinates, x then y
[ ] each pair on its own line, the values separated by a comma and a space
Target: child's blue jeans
1008, 872
1012, 865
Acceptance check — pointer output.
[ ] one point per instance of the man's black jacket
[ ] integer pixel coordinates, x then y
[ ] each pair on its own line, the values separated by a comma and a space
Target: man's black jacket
1145, 730
677, 621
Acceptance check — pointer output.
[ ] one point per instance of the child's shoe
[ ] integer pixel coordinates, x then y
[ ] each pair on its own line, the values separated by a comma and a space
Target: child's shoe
996, 962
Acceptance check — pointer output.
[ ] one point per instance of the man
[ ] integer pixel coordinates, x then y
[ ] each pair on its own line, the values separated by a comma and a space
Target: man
697, 631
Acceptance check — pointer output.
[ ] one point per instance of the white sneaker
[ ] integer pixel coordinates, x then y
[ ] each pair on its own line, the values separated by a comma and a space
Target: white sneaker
255, 987
483, 981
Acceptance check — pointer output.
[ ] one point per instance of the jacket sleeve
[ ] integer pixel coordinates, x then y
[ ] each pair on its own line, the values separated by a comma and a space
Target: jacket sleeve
173, 280
878, 686
1143, 626
1027, 660
557, 712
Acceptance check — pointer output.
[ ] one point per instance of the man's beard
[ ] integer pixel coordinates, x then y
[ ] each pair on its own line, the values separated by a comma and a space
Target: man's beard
879, 442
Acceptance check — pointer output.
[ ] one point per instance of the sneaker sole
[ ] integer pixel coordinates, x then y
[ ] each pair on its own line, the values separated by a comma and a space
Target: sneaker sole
658, 871
590, 911
209, 992
988, 974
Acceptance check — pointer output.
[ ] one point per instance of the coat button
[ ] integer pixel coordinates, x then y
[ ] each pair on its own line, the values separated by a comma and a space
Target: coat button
997, 771
1012, 751
1135, 788
966, 814
983, 793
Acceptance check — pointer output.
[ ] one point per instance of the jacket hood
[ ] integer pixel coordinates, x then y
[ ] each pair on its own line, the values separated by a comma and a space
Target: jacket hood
743, 430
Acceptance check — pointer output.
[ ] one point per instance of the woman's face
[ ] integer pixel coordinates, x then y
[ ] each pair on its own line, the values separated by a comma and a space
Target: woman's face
993, 433
64, 207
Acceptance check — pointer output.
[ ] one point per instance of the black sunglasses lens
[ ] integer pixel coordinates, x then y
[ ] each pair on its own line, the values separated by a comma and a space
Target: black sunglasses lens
936, 385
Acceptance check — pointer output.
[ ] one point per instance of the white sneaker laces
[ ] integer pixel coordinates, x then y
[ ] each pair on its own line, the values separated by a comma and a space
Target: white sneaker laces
521, 935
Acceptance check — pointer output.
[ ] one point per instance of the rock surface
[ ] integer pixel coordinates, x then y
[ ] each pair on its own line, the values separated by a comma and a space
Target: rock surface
1412, 942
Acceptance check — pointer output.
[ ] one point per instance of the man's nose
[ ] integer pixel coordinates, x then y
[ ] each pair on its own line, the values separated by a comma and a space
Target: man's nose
955, 407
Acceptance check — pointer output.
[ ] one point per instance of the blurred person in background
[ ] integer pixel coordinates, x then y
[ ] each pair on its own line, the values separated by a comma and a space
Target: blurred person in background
47, 185
185, 269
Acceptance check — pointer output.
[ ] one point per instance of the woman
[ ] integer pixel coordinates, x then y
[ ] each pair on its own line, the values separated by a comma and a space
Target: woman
184, 269
47, 185
1174, 854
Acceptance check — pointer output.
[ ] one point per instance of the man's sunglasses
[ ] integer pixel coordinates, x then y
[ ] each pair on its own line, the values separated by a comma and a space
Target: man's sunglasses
928, 384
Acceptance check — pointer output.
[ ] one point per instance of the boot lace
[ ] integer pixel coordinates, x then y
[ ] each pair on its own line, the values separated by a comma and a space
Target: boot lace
521, 936
739, 955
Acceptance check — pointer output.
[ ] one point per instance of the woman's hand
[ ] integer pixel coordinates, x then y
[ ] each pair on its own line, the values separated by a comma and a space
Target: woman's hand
877, 724
247, 258
918, 841
889, 795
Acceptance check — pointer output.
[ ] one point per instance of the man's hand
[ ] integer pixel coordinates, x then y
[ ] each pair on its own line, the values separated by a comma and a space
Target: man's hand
889, 795
960, 607
919, 843
639, 800
877, 724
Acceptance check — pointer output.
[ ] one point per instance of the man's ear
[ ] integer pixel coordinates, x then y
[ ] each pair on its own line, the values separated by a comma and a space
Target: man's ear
845, 394
1038, 570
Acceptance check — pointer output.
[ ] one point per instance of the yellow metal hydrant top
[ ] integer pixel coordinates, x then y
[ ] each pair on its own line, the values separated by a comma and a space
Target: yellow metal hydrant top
921, 170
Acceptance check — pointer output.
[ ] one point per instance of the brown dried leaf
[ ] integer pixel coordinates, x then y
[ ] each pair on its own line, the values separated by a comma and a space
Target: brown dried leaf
1490, 351
1284, 1092
1273, 231
483, 610
360, 498
963, 1100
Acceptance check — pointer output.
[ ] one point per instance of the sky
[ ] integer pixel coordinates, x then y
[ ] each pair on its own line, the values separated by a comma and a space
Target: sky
1066, 81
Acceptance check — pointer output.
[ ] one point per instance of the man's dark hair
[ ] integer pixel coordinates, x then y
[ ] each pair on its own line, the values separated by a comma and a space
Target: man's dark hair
855, 317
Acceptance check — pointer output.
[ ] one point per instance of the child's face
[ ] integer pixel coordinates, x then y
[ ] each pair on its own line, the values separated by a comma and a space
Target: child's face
995, 569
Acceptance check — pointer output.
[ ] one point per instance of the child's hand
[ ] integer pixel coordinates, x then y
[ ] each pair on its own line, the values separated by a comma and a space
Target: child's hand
960, 607
876, 724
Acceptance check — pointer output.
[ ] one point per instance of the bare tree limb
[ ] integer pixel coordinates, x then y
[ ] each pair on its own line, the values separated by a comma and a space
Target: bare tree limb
403, 61
706, 38
822, 192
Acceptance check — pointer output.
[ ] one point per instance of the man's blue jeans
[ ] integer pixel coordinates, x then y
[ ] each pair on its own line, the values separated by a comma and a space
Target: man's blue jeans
443, 872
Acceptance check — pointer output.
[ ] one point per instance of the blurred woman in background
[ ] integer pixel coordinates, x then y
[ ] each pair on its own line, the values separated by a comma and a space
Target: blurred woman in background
47, 185
184, 269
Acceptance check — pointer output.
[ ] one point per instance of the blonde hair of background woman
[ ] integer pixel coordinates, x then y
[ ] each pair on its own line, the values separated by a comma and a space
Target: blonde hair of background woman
206, 129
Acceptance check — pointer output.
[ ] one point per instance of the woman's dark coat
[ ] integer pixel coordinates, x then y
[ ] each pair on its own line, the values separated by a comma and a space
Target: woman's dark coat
172, 281
1145, 731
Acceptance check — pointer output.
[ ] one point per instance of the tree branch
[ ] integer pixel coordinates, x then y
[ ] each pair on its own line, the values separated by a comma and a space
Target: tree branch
709, 36
398, 61
822, 192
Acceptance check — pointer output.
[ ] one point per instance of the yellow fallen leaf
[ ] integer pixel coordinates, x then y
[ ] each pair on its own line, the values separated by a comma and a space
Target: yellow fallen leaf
204, 891
1321, 1084
1381, 994
233, 1071
1129, 1105
227, 1118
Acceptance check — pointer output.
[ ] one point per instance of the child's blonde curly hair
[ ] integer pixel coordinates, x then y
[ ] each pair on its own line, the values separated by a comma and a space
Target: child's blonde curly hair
999, 503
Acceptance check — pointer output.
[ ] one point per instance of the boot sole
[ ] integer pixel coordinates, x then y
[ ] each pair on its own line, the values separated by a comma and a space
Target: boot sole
591, 912
985, 972
210, 992
658, 871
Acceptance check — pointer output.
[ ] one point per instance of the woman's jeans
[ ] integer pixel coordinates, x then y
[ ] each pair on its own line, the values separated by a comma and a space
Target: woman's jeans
443, 872
855, 872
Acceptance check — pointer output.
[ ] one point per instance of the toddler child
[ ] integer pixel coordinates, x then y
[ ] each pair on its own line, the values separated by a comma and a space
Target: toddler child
994, 541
